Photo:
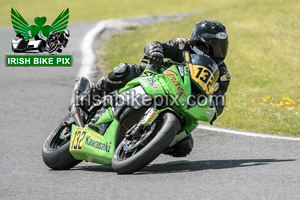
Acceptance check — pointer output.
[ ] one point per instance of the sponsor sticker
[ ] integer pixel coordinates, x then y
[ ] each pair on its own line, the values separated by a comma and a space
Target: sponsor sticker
94, 135
221, 35
208, 113
152, 83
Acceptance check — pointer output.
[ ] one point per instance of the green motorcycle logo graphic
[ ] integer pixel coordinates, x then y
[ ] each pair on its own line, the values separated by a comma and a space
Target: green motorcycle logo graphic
21, 26
48, 38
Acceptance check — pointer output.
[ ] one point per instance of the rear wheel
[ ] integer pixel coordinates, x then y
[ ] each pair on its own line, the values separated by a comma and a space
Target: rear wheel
56, 154
133, 154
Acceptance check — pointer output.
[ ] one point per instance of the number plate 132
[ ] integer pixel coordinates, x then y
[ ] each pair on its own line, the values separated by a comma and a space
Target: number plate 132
77, 140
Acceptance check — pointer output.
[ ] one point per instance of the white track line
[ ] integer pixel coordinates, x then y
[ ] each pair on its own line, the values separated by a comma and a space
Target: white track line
242, 133
88, 56
88, 63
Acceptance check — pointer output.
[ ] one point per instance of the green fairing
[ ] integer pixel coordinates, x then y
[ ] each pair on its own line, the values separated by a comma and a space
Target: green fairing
170, 83
173, 83
97, 150
106, 117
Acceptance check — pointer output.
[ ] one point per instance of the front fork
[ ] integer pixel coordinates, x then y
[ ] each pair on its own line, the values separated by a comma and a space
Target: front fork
149, 117
81, 85
75, 113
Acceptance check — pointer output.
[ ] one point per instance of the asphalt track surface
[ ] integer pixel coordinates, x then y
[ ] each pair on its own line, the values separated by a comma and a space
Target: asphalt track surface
221, 165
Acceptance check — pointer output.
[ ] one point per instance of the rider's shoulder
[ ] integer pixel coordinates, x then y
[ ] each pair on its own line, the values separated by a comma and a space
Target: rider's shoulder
182, 42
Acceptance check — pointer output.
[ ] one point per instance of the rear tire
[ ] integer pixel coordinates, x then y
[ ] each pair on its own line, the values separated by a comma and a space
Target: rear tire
56, 154
127, 162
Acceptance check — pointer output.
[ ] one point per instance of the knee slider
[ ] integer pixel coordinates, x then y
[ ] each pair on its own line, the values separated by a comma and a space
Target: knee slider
119, 73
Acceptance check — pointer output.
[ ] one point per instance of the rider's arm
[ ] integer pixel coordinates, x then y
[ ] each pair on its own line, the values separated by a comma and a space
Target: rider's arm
171, 49
224, 80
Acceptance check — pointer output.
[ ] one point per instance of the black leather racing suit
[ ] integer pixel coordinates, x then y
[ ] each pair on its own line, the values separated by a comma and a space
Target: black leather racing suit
172, 49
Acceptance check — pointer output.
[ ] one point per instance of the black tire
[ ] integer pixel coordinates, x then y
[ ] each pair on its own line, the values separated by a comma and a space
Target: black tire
52, 47
158, 140
56, 154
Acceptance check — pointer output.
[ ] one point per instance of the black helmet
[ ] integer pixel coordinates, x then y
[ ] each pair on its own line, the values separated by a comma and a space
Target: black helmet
67, 33
211, 38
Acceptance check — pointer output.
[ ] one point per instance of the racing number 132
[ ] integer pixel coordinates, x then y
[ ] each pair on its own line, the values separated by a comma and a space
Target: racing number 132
77, 141
205, 76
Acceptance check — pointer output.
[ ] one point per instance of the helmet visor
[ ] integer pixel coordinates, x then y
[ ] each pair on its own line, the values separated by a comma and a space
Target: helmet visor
217, 49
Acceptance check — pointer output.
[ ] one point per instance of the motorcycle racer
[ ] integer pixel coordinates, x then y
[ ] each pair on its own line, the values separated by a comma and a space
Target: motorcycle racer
58, 38
208, 38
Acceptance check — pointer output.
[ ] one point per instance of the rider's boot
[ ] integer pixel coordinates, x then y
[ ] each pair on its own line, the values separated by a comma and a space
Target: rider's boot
181, 148
92, 94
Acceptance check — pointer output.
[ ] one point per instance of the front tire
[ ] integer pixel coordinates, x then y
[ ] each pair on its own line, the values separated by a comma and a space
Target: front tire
129, 158
52, 47
56, 154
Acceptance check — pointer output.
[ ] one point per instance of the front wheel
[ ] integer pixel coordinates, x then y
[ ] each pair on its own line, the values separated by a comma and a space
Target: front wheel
52, 47
56, 154
134, 154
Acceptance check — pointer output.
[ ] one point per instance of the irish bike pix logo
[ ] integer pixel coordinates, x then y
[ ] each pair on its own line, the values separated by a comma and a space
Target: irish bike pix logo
39, 44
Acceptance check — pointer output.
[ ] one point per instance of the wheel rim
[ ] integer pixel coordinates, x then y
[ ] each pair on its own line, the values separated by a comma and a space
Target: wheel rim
59, 139
131, 147
52, 47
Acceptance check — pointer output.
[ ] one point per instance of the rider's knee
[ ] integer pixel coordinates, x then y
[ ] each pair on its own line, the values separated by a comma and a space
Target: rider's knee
119, 73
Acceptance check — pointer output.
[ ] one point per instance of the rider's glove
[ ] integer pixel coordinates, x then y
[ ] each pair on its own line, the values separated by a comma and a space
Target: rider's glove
156, 58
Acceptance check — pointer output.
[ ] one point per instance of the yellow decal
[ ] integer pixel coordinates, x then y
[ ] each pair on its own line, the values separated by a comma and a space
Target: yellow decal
202, 76
77, 139
94, 135
151, 118
187, 58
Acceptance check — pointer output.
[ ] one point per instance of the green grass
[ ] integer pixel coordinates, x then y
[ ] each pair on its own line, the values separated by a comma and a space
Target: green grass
92, 10
263, 60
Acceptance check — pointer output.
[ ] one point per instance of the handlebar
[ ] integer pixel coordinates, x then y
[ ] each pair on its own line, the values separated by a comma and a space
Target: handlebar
167, 63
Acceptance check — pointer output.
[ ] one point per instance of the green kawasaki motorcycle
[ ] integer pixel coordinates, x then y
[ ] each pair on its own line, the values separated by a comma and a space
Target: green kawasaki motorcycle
139, 122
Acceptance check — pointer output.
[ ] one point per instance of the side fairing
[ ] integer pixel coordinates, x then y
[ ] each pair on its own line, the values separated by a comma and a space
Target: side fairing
87, 144
177, 84
152, 85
